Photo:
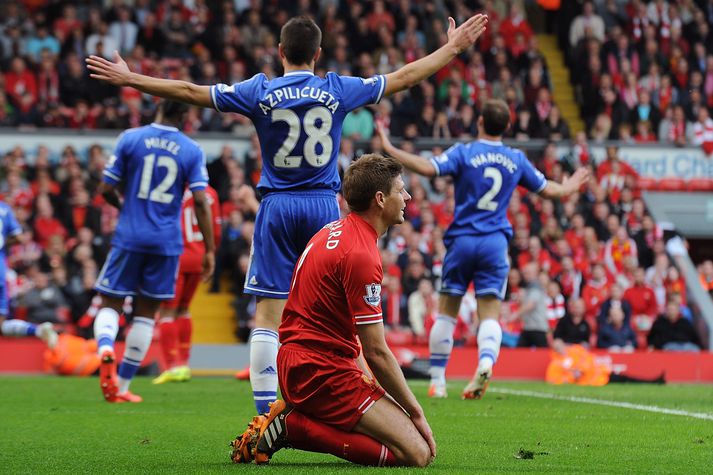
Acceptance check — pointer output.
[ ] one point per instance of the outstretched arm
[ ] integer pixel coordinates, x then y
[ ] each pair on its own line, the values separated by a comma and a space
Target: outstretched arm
459, 39
118, 74
567, 187
415, 163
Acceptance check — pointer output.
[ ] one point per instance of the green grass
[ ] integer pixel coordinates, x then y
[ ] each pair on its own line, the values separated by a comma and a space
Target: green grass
51, 425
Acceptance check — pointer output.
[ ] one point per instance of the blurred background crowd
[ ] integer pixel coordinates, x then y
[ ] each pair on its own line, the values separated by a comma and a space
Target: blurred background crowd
593, 268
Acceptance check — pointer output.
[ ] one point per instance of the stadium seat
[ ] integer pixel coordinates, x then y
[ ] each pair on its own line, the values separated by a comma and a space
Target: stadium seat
700, 184
672, 184
646, 183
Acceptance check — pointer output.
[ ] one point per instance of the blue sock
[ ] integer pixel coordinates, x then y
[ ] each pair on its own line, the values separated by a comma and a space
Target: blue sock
440, 343
138, 341
263, 367
18, 328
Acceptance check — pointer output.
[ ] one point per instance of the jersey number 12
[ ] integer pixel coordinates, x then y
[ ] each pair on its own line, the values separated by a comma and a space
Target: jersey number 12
315, 135
158, 194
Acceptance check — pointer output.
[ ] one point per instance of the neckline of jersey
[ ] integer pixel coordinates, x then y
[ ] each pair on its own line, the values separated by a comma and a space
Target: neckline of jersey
294, 73
366, 224
490, 142
164, 127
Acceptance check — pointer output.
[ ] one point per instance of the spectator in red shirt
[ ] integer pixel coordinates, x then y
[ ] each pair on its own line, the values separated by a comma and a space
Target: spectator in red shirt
618, 248
605, 168
596, 291
46, 224
515, 23
21, 87
642, 299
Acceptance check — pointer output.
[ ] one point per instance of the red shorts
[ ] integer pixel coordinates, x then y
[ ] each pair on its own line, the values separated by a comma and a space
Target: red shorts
328, 388
186, 285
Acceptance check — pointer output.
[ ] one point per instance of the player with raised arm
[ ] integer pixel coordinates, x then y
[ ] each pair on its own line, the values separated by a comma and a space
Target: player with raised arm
10, 233
151, 165
298, 118
331, 405
486, 173
175, 323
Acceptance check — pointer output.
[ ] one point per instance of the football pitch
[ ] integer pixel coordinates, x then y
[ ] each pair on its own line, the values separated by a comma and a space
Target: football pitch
54, 425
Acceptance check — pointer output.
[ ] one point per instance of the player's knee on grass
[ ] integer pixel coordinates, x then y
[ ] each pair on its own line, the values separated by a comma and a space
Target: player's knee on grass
415, 454
390, 425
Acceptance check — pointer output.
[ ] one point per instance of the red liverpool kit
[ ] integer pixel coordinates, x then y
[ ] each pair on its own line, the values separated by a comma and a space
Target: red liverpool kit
336, 286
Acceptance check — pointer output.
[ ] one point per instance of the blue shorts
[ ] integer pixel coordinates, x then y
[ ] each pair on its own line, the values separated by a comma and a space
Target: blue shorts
285, 223
481, 259
138, 273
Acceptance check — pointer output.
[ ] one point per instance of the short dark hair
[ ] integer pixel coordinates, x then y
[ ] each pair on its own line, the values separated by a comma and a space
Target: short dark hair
496, 117
172, 110
300, 38
366, 176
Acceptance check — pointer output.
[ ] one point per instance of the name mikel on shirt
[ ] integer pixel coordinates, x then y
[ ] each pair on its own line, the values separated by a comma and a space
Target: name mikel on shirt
157, 142
307, 92
494, 158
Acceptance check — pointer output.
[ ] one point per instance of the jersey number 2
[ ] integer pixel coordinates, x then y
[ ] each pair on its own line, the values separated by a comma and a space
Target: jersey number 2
158, 194
315, 135
486, 201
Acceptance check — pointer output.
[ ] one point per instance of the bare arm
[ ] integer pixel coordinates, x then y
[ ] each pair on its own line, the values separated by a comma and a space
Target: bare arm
205, 224
415, 163
110, 194
568, 186
459, 39
386, 369
118, 74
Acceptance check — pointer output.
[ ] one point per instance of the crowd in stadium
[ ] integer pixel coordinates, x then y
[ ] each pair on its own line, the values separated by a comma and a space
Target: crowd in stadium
590, 269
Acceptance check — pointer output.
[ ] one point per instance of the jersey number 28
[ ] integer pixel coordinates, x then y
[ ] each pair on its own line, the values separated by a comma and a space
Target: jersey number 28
315, 135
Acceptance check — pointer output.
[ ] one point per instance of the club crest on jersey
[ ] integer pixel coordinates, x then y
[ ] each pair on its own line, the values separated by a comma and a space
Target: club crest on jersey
373, 294
369, 81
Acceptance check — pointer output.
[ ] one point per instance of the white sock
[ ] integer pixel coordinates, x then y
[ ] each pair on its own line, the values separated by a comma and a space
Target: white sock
263, 367
138, 341
106, 326
440, 343
17, 328
489, 337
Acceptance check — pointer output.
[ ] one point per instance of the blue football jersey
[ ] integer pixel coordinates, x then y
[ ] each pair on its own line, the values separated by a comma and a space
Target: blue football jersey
153, 165
8, 227
486, 174
298, 118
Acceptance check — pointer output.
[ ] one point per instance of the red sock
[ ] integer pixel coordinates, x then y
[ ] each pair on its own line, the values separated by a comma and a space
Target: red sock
169, 342
185, 331
307, 434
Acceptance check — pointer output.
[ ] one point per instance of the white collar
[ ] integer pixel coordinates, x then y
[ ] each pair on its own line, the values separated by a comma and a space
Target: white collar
164, 127
294, 73
490, 142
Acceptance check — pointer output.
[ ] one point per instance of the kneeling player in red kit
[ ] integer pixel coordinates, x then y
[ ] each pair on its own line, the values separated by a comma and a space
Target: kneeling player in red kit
330, 405
175, 322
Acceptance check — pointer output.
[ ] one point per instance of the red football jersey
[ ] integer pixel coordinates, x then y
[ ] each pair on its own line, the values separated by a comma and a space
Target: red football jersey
336, 286
193, 247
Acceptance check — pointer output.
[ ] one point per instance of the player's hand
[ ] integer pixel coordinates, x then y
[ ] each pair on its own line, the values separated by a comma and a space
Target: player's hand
425, 430
116, 73
383, 135
468, 33
208, 266
575, 182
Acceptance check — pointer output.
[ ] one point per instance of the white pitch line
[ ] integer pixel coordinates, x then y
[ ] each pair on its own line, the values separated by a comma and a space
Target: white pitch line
604, 402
